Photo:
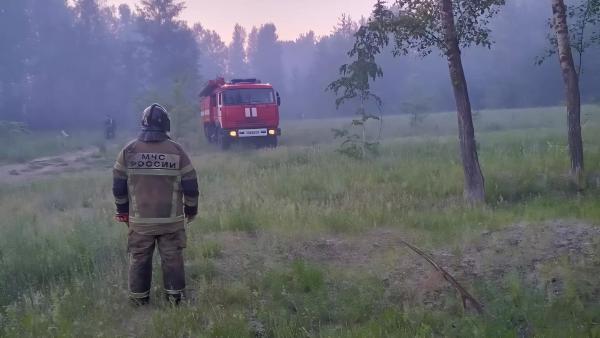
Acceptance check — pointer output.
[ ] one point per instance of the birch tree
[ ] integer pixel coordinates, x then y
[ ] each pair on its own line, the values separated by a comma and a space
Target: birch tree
421, 27
572, 92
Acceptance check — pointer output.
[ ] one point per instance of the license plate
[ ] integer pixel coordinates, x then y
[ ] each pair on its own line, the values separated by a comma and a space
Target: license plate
252, 132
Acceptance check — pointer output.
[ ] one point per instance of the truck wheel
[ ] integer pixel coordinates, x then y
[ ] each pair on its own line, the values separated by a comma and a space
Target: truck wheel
223, 140
225, 143
271, 142
210, 132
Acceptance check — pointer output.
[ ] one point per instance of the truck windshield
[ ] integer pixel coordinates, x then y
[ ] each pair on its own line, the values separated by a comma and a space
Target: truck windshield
248, 96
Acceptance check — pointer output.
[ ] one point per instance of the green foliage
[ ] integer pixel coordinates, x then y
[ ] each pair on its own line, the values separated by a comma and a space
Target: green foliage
354, 84
356, 145
583, 19
414, 25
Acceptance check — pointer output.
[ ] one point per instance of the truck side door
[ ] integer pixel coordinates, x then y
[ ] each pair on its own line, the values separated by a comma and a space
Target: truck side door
219, 106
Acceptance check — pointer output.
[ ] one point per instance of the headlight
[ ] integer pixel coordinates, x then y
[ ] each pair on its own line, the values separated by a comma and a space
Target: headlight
272, 132
233, 133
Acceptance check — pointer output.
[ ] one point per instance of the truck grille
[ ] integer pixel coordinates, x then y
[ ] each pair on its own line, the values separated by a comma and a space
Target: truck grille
248, 123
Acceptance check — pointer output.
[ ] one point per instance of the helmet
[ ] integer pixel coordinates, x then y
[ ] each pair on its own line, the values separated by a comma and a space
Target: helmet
156, 118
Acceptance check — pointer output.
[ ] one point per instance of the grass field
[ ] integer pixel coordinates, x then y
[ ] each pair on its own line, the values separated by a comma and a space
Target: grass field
26, 146
301, 241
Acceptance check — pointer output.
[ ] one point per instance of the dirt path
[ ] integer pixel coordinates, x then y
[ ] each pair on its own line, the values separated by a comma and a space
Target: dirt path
52, 165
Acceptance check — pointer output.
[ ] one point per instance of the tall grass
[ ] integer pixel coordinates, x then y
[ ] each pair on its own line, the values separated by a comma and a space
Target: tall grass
63, 260
415, 183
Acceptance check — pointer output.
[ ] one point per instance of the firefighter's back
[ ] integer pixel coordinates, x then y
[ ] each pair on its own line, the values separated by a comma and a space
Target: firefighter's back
155, 171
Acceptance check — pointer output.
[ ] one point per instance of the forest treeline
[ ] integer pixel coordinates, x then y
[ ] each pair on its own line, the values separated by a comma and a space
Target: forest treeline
68, 64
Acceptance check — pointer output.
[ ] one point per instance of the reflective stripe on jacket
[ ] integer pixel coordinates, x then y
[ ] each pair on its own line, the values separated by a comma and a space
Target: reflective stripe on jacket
155, 182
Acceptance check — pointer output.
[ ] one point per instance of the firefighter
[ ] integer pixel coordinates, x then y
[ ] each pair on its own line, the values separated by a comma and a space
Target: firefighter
109, 127
156, 193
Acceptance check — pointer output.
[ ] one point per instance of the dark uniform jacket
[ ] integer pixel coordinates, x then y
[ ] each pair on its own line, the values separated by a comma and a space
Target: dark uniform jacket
156, 183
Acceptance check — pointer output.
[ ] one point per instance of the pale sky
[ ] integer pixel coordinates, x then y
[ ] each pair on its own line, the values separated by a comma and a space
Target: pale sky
292, 17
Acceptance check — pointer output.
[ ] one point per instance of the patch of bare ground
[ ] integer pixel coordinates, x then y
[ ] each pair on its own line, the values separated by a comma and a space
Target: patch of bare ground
77, 161
540, 254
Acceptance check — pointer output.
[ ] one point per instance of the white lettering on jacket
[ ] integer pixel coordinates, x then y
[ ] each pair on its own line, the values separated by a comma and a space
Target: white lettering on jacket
153, 161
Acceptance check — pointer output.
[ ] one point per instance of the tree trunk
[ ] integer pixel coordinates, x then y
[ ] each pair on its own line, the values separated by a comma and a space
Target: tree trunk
474, 190
573, 96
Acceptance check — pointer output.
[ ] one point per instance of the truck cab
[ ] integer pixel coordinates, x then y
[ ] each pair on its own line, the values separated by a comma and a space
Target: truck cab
242, 109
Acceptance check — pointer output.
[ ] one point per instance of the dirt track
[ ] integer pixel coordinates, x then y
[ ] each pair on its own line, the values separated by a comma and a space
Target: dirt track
78, 161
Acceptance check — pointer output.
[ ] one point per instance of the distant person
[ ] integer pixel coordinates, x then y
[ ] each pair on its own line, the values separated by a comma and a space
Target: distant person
156, 191
110, 127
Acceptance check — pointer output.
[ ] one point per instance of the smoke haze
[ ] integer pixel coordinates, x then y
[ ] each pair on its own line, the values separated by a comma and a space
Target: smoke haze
68, 66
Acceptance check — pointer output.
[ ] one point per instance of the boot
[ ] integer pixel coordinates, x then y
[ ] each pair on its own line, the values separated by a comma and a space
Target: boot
174, 298
137, 302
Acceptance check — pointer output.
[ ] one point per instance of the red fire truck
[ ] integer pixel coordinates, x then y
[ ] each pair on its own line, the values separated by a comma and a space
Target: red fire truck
240, 109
